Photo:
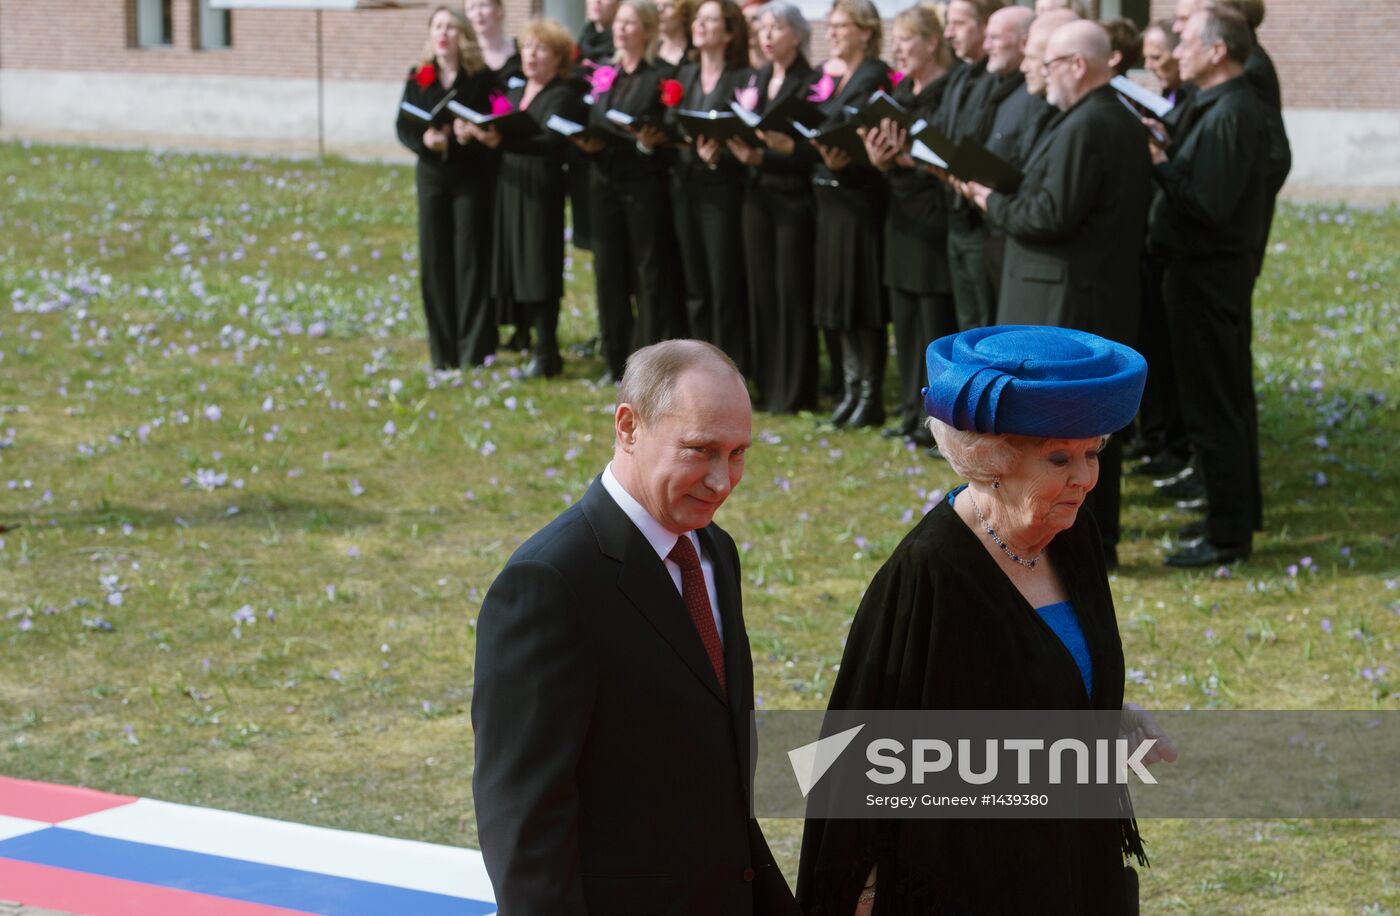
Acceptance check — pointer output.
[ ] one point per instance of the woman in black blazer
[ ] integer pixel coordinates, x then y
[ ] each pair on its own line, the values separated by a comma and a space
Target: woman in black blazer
633, 239
849, 296
454, 195
916, 222
712, 181
779, 222
528, 268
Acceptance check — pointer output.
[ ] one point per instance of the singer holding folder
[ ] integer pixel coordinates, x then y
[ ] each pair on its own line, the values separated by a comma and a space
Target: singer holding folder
849, 298
454, 195
916, 223
779, 222
633, 238
712, 181
528, 267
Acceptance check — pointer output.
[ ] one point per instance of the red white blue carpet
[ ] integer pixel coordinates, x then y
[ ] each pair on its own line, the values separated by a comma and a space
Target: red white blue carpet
98, 854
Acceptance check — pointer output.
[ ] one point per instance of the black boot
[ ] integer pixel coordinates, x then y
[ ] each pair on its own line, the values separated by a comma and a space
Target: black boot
870, 408
546, 362
850, 371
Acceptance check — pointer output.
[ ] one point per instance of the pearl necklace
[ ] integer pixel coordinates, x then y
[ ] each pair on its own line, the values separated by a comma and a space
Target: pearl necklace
996, 538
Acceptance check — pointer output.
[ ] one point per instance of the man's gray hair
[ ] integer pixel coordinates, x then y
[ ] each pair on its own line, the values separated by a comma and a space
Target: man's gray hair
791, 15
649, 380
1225, 24
978, 457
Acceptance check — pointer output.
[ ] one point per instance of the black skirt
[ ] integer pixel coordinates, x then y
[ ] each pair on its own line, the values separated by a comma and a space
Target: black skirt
529, 229
847, 290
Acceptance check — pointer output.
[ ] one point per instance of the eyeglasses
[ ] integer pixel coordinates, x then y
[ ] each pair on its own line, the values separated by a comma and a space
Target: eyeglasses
1045, 67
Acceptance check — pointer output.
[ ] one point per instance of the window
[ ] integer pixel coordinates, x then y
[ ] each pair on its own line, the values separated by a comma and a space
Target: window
154, 28
213, 25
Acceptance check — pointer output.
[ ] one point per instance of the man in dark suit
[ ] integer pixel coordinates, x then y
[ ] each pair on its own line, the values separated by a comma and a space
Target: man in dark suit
959, 116
1012, 120
1210, 223
613, 678
1074, 227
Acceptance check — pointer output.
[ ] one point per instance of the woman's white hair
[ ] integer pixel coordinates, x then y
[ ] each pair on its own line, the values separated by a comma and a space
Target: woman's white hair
980, 457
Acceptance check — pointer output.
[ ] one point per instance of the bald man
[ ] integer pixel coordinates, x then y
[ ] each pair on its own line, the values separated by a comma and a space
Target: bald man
1074, 227
1033, 60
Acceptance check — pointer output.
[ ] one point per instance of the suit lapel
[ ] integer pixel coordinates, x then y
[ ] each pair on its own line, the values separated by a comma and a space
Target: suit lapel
738, 665
647, 585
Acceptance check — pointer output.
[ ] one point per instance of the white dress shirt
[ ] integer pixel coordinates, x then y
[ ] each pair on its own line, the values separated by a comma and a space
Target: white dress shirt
663, 541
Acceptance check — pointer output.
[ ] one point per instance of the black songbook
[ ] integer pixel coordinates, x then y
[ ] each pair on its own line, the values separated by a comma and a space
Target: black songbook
974, 162
1149, 102
572, 129
842, 137
881, 106
510, 124
936, 140
637, 122
792, 110
715, 125
1137, 114
437, 116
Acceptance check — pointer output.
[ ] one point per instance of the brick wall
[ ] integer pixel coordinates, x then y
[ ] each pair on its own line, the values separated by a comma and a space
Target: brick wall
83, 35
1330, 53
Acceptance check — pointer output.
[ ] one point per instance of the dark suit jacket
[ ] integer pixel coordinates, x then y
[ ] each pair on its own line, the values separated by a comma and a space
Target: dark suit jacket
1214, 198
1075, 225
612, 775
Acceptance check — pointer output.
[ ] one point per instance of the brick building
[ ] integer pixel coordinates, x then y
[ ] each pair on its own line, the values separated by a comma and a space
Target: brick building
184, 72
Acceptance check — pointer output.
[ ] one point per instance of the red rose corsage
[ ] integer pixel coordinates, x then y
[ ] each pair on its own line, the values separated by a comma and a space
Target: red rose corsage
425, 76
671, 93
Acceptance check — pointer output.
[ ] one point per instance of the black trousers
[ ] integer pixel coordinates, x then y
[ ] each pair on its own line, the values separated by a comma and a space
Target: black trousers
454, 218
918, 319
580, 176
633, 251
779, 235
973, 295
694, 283
1208, 306
717, 209
1160, 422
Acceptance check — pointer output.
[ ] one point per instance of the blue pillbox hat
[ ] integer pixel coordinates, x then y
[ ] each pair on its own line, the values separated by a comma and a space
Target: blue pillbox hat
1033, 381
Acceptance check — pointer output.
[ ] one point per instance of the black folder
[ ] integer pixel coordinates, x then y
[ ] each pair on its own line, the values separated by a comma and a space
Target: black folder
437, 116
573, 129
842, 137
974, 162
715, 125
510, 124
881, 106
652, 118
792, 110
934, 139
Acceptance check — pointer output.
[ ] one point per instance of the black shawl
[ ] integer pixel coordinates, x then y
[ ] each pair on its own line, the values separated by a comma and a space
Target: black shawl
941, 627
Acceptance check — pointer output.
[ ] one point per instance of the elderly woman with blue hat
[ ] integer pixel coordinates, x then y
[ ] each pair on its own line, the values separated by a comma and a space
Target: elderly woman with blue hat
998, 599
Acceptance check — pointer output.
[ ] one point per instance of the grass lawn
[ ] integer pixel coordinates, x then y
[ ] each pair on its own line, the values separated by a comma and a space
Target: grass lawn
255, 530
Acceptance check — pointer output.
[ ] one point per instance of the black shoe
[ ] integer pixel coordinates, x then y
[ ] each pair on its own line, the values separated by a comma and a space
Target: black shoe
1191, 531
1186, 485
899, 430
1183, 474
1162, 464
1204, 553
921, 437
1194, 504
1138, 448
538, 368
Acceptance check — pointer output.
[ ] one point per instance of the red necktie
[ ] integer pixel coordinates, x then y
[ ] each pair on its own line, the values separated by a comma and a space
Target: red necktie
697, 601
